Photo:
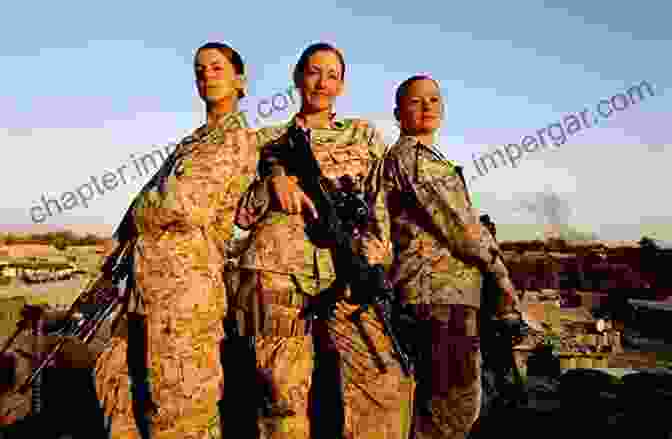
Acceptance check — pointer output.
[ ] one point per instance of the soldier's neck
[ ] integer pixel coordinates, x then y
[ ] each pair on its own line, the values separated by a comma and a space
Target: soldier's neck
427, 139
217, 110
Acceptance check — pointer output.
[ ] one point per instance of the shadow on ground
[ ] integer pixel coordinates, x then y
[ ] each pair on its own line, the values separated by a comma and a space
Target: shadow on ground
587, 403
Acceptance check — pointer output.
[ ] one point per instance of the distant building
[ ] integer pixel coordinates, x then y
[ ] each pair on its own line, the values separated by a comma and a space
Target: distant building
40, 271
7, 270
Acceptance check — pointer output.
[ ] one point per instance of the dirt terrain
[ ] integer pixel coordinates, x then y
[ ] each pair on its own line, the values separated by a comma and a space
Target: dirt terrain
538, 274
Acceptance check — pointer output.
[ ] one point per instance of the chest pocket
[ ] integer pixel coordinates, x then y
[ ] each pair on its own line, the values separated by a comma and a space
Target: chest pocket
439, 179
433, 170
339, 160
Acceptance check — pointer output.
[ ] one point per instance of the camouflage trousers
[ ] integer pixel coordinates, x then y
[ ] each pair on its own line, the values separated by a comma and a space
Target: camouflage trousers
161, 393
113, 387
448, 394
377, 396
173, 365
325, 373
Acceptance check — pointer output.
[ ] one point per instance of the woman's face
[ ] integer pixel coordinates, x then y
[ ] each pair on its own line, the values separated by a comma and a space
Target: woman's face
321, 82
421, 108
216, 77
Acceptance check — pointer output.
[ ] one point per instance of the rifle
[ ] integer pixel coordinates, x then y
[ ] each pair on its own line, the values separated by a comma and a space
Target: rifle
86, 315
339, 215
498, 336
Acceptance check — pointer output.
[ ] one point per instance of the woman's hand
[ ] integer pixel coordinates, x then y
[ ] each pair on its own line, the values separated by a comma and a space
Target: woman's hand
376, 251
474, 232
509, 303
290, 196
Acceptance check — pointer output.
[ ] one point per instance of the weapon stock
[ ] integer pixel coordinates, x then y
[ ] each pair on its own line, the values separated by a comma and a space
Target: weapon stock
498, 337
367, 283
86, 315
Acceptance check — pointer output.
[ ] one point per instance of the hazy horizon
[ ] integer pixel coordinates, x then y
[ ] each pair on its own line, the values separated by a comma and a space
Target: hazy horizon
83, 96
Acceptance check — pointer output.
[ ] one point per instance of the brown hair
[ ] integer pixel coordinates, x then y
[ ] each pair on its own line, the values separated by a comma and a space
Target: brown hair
308, 52
403, 88
230, 53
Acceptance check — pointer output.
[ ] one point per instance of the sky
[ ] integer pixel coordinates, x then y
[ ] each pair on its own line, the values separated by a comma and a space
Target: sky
87, 87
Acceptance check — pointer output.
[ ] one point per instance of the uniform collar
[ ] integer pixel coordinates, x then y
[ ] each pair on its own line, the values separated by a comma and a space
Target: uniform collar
406, 140
234, 119
335, 124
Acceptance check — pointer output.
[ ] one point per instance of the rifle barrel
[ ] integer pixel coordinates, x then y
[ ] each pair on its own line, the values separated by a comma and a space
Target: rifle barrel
402, 357
353, 268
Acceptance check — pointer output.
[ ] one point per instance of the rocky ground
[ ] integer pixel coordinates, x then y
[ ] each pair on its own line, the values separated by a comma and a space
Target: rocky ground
630, 396
584, 403
578, 404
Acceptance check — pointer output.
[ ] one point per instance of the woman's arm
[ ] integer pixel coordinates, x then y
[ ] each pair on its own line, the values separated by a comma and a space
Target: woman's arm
437, 189
272, 187
375, 241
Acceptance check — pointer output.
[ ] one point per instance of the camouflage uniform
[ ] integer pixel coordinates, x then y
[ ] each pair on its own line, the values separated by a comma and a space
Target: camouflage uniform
282, 269
440, 253
181, 225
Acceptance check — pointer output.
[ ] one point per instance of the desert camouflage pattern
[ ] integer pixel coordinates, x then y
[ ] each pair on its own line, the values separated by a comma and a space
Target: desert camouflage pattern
441, 249
351, 149
284, 360
282, 269
182, 226
376, 404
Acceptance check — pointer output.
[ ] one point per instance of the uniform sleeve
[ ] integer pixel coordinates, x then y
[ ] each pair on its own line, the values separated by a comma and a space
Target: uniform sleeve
435, 187
256, 200
375, 242
254, 204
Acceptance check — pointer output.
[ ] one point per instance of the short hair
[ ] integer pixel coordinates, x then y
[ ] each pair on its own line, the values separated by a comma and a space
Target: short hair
308, 52
230, 53
403, 88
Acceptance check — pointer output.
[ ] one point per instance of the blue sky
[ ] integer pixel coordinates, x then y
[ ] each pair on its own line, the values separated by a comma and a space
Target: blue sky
85, 86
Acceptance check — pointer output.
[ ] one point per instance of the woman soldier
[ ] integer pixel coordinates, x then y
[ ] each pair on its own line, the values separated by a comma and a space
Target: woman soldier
179, 226
440, 255
282, 269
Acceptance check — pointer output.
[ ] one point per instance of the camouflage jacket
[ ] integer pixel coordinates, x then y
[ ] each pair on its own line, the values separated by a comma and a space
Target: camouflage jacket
440, 248
278, 241
211, 183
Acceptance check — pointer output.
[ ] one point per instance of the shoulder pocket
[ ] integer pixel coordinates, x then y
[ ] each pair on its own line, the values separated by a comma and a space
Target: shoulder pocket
430, 169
